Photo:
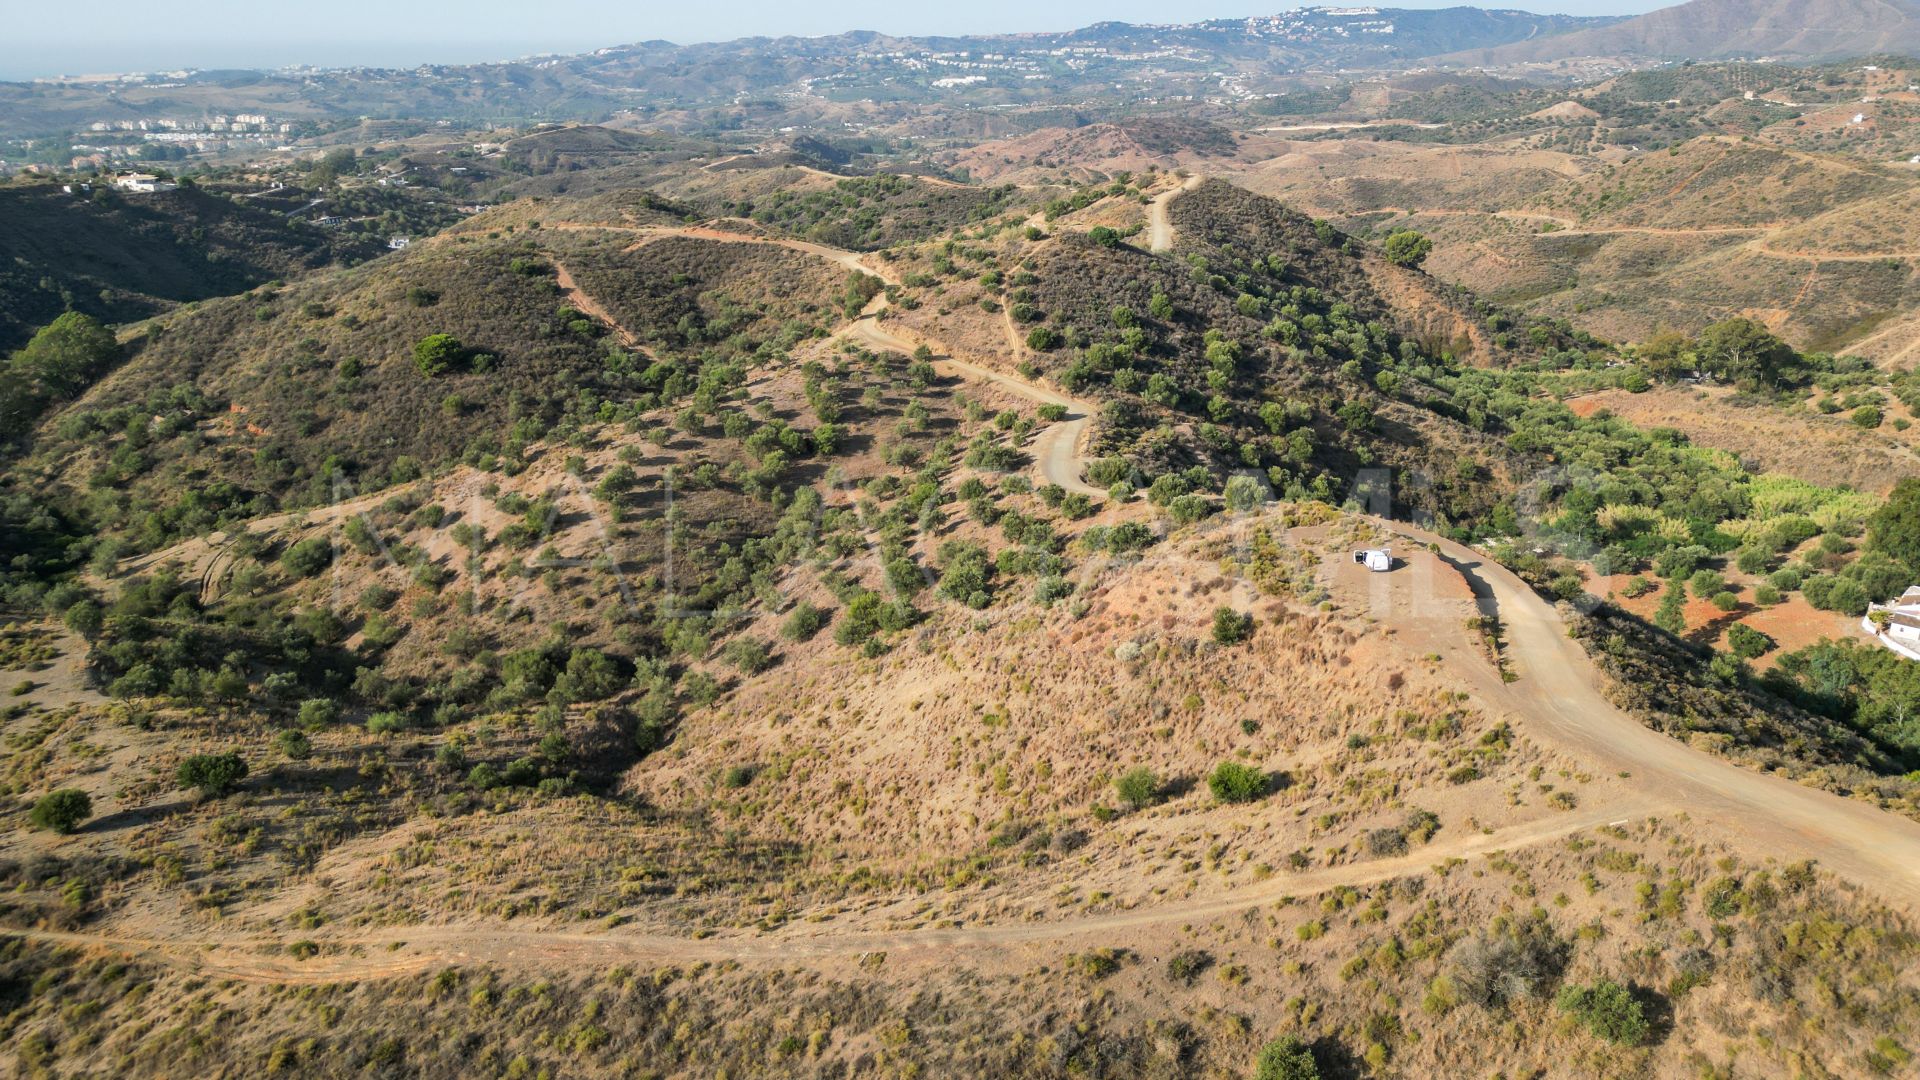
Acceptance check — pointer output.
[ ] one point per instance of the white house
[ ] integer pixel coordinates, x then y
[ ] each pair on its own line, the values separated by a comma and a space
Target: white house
1897, 625
1378, 560
142, 182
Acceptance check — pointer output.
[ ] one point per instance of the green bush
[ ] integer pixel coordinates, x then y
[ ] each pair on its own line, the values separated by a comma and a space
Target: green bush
750, 655
1231, 627
437, 354
61, 811
1286, 1058
804, 621
294, 744
1408, 248
308, 557
213, 775
1138, 787
1232, 782
318, 712
1748, 643
1607, 1009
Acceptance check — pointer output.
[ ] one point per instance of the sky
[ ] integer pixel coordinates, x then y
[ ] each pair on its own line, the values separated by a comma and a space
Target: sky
43, 39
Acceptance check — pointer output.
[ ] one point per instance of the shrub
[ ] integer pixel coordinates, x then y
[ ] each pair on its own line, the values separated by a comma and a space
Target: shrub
804, 621
1386, 842
294, 744
1748, 643
1494, 969
61, 811
1184, 967
308, 557
1232, 782
318, 712
1138, 787
436, 354
1231, 627
1041, 339
750, 655
1286, 1058
213, 775
1607, 1009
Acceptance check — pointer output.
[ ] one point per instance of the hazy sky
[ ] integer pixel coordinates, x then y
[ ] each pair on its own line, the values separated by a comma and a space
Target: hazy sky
145, 35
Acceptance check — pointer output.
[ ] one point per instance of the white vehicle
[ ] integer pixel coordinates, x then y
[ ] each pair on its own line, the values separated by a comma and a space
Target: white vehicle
1378, 560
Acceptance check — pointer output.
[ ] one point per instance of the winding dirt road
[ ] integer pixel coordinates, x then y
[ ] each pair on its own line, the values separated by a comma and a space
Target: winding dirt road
1558, 698
1057, 449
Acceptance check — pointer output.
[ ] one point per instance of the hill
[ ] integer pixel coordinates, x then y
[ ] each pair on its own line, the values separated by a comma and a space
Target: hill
1713, 29
269, 399
122, 258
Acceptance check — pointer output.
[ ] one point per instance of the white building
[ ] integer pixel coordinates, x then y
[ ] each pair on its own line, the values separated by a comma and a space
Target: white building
1897, 625
142, 182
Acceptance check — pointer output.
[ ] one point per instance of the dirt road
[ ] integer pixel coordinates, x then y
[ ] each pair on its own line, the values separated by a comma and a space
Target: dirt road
1159, 227
1057, 449
1557, 698
408, 949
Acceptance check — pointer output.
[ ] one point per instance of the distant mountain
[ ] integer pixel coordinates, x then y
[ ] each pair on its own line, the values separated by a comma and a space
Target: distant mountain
811, 77
1717, 29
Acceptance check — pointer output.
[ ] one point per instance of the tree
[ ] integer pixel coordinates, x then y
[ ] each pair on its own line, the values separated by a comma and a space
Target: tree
1286, 1058
1747, 353
1104, 236
1408, 248
437, 354
1232, 782
1671, 615
1041, 339
213, 775
60, 361
1667, 355
62, 810
1138, 787
1608, 1009
67, 354
1894, 529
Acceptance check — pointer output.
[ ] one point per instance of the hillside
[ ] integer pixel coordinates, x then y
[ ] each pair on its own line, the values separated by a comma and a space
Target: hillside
778, 623
1709, 29
1623, 246
122, 258
271, 399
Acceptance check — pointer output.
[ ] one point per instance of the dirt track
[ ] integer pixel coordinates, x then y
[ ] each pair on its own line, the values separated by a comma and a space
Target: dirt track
1159, 227
1057, 449
1558, 699
404, 950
